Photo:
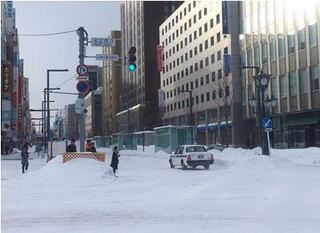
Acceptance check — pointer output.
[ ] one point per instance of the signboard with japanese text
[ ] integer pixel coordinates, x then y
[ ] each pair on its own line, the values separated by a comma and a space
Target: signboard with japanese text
107, 57
6, 78
159, 58
102, 42
225, 28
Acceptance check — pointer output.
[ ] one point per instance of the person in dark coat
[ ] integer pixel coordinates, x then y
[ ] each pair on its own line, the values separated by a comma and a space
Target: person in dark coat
24, 157
93, 148
115, 160
72, 147
88, 146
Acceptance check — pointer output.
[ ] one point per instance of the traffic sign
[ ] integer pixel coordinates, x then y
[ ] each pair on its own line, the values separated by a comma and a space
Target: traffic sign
83, 87
102, 42
79, 106
107, 57
82, 70
266, 122
79, 78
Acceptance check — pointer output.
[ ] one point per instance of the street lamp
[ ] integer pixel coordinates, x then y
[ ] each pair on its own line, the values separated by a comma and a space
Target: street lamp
48, 97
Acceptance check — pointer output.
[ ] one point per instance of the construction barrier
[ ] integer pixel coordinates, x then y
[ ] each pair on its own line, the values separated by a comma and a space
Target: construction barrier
88, 155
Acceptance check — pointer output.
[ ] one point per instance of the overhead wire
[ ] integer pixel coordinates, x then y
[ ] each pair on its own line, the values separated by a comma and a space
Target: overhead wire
48, 34
59, 85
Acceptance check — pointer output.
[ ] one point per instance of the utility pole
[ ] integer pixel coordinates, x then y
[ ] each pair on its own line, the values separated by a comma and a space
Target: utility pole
83, 41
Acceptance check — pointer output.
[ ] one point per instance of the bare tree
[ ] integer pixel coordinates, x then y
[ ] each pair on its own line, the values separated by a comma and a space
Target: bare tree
223, 91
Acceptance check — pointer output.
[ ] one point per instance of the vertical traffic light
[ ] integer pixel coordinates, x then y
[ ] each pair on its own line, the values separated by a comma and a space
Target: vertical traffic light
132, 59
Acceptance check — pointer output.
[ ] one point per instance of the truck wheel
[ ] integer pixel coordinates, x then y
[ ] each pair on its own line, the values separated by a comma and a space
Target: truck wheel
184, 167
206, 167
171, 163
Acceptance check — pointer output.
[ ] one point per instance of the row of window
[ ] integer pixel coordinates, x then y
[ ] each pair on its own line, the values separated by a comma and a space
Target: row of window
193, 68
196, 33
313, 38
205, 44
196, 82
176, 19
199, 99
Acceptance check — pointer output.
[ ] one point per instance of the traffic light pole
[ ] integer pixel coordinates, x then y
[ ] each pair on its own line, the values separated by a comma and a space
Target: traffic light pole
83, 40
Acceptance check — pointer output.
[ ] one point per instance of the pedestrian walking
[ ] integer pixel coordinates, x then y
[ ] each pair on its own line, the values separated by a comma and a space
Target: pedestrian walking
93, 148
115, 160
72, 146
88, 146
24, 157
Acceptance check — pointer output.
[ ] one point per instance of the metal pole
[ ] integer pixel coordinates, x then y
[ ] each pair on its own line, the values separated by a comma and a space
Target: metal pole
265, 148
48, 111
191, 115
83, 35
268, 137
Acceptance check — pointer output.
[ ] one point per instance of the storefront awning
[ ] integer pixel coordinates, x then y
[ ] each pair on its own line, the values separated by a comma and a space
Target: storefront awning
212, 126
223, 124
303, 121
201, 127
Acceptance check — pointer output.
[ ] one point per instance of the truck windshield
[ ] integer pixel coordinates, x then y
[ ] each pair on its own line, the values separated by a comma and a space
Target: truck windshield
195, 149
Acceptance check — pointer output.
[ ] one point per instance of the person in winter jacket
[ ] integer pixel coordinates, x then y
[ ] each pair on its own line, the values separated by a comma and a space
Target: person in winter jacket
24, 157
88, 146
93, 148
115, 160
72, 147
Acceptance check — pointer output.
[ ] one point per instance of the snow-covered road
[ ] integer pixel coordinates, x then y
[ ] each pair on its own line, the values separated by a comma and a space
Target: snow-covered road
242, 192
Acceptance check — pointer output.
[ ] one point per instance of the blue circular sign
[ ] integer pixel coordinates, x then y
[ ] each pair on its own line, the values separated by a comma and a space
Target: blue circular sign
266, 122
83, 87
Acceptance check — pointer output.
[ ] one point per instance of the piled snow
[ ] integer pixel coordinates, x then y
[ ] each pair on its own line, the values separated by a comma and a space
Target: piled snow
242, 192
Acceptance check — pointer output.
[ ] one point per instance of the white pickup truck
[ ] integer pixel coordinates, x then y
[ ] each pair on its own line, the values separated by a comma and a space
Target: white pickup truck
191, 156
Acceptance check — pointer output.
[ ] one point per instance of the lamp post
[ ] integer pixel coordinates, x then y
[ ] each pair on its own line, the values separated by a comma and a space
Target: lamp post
262, 106
48, 97
191, 118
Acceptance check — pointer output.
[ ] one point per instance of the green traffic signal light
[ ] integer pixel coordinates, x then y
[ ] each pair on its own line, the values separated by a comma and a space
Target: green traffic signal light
132, 67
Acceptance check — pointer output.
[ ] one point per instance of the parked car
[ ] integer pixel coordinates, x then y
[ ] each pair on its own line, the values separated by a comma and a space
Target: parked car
216, 147
191, 156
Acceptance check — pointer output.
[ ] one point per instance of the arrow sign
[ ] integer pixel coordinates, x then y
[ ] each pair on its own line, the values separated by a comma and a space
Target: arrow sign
107, 57
266, 122
83, 87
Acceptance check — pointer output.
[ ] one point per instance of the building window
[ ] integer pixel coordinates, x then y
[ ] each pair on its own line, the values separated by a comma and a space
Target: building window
190, 38
196, 67
303, 81
218, 19
195, 51
185, 11
186, 71
314, 76
181, 59
274, 85
301, 39
163, 83
207, 61
212, 40
197, 99
220, 92
225, 50
211, 23
190, 53
191, 85
190, 23
185, 41
214, 95
281, 45
205, 27
185, 26
196, 83
218, 37
313, 35
201, 64
191, 69
264, 48
273, 49
291, 44
293, 83
219, 73
207, 78
256, 56
212, 58
201, 81
200, 31
194, 19
202, 98
179, 106
206, 44
200, 48
187, 86
195, 35
283, 86
199, 14
194, 4
186, 56
183, 105
175, 92
182, 74
219, 55
189, 7
175, 106
213, 76
227, 91
249, 57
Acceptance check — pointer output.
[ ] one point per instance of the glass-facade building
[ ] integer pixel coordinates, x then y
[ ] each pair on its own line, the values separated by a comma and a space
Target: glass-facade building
282, 38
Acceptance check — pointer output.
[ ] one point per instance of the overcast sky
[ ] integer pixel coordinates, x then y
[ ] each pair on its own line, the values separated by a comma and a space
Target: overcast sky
60, 51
